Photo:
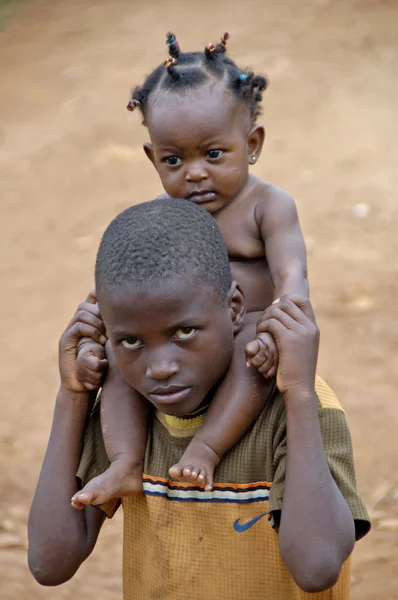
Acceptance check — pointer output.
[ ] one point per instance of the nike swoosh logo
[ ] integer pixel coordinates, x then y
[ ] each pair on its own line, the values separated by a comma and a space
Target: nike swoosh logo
240, 527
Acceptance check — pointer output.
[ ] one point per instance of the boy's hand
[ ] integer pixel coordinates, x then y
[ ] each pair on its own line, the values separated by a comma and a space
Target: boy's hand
262, 353
85, 323
292, 324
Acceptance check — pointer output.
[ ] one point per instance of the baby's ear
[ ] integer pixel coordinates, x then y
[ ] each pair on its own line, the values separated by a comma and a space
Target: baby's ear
148, 149
236, 302
255, 141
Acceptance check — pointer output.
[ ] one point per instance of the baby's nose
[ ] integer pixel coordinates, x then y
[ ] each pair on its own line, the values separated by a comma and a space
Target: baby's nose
196, 172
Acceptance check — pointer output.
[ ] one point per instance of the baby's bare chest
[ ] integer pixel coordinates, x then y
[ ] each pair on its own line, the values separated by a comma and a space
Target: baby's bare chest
246, 251
241, 233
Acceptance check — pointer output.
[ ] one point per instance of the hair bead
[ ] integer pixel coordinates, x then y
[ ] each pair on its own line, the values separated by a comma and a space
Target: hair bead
170, 62
174, 46
171, 39
133, 104
224, 40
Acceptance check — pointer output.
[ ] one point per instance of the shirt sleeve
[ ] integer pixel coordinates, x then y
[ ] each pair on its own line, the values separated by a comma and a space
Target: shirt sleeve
94, 459
338, 450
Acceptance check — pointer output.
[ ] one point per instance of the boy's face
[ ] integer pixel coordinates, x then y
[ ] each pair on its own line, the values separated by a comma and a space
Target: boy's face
173, 341
202, 144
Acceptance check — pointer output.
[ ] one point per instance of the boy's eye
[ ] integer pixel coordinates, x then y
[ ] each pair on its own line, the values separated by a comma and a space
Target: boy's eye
131, 343
214, 154
184, 333
173, 161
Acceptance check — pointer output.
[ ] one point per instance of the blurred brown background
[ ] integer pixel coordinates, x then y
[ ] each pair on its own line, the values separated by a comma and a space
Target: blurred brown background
71, 158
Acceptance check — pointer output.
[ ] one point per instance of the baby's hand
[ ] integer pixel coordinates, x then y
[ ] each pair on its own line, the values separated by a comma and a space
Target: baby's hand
86, 323
262, 353
91, 363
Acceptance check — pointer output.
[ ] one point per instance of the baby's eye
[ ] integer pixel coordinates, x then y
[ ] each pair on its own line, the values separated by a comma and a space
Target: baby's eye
214, 154
131, 343
173, 161
184, 333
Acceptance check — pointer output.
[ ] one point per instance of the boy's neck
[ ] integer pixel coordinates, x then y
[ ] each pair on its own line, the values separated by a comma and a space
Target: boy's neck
186, 426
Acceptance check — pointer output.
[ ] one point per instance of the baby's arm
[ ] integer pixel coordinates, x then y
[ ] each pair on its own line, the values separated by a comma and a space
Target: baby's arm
237, 403
277, 217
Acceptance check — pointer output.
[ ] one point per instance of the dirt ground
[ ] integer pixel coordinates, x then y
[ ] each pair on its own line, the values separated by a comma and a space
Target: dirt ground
71, 158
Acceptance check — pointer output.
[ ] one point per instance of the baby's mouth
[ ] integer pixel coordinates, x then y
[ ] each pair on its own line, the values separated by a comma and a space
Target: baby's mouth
200, 197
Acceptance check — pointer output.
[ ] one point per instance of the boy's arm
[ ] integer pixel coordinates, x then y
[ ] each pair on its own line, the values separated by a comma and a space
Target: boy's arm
316, 531
277, 217
61, 538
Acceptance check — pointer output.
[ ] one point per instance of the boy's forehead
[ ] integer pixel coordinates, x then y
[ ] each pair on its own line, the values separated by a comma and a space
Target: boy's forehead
170, 300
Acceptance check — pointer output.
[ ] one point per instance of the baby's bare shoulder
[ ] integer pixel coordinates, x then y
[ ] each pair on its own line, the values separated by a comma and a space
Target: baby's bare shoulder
268, 194
273, 202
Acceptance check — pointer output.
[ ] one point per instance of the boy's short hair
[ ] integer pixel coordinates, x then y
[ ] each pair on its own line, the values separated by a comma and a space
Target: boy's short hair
160, 240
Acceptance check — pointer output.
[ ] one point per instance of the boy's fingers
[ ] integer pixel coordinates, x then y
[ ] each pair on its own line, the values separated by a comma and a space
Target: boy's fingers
276, 313
274, 327
86, 307
79, 330
92, 297
87, 317
304, 305
92, 308
298, 308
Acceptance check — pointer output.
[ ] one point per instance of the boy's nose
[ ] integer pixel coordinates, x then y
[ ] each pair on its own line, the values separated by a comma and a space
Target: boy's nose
196, 173
161, 369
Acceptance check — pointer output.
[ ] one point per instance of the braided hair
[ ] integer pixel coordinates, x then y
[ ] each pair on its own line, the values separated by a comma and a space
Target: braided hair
184, 71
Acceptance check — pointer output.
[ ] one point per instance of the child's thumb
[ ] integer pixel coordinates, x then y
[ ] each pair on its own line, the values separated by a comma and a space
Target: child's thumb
251, 350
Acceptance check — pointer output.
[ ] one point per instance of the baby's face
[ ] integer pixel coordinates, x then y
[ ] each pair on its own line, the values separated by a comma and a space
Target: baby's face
173, 341
200, 145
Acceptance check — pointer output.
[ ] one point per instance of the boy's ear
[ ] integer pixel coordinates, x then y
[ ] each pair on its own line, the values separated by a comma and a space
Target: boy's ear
255, 141
148, 149
236, 303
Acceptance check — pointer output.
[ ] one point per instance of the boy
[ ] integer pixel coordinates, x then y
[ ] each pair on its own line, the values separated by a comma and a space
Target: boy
283, 515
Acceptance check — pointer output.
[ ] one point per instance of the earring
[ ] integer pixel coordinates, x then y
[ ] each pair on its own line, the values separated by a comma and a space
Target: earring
253, 160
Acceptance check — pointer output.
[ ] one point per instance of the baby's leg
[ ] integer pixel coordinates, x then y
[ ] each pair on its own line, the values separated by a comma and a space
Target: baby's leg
237, 403
124, 418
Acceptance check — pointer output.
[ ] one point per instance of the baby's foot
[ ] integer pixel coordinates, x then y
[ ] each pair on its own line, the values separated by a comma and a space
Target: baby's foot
197, 464
121, 479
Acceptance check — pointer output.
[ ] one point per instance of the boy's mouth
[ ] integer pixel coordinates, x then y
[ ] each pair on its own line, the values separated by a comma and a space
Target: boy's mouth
169, 394
200, 197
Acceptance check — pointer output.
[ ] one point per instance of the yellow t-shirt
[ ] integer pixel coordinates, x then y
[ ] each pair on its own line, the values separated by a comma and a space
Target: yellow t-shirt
182, 543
